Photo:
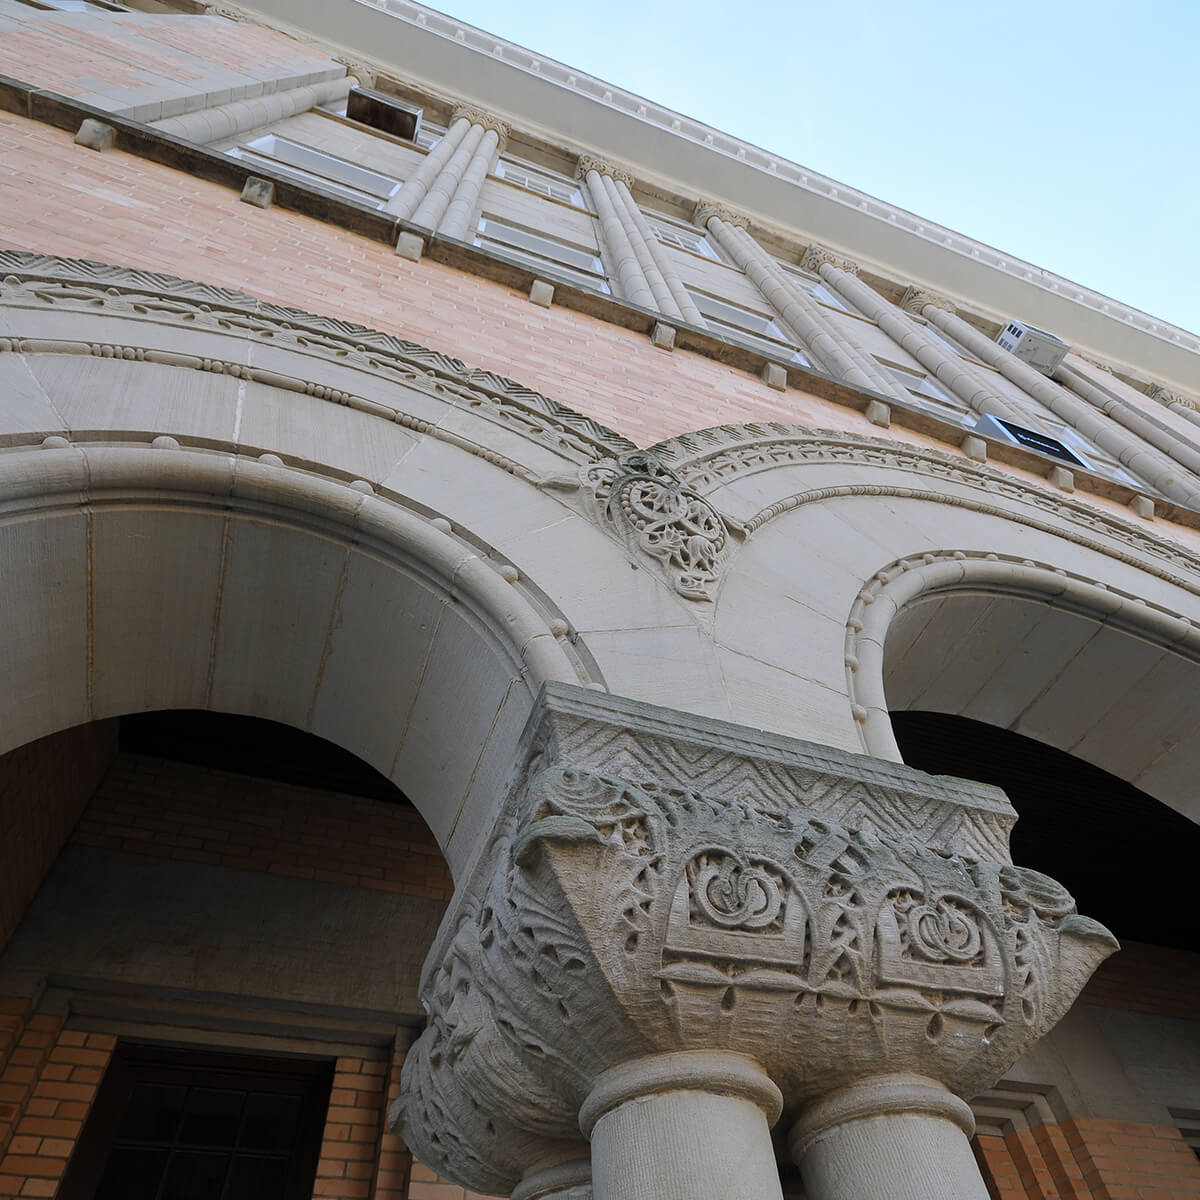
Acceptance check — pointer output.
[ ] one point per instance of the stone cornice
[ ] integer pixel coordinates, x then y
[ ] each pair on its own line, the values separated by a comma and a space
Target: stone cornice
706, 210
916, 299
602, 166
815, 257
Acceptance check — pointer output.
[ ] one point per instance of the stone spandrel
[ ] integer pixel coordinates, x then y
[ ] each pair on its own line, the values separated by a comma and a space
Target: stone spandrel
617, 921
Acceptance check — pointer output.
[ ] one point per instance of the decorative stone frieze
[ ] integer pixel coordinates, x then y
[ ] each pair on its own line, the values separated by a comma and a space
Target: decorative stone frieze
588, 162
483, 118
917, 299
651, 508
815, 257
633, 915
706, 210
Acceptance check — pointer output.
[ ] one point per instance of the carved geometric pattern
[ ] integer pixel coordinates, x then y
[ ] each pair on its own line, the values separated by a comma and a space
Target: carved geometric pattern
47, 280
706, 459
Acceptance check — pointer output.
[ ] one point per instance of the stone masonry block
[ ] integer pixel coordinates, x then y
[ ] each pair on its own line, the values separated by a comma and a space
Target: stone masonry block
541, 293
879, 413
663, 336
1143, 506
775, 376
410, 246
95, 135
1062, 478
975, 447
259, 192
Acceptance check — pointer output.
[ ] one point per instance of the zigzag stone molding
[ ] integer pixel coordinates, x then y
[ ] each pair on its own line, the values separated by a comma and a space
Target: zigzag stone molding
46, 280
707, 459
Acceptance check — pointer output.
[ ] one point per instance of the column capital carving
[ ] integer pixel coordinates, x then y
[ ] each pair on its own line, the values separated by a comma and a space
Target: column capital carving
916, 299
602, 166
815, 257
706, 210
479, 116
1167, 397
659, 886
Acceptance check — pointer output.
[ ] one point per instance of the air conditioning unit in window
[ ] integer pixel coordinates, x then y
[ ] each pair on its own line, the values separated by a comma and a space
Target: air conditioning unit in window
384, 113
1041, 350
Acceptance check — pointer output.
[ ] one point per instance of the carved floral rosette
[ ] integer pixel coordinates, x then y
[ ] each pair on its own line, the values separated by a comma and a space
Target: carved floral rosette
650, 506
623, 920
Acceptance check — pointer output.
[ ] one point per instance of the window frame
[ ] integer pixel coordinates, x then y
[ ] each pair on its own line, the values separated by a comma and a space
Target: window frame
135, 1062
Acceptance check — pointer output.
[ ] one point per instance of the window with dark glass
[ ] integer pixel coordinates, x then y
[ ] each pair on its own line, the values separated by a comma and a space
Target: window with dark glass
193, 1125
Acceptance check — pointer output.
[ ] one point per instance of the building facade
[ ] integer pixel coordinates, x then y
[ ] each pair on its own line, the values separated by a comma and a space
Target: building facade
529, 625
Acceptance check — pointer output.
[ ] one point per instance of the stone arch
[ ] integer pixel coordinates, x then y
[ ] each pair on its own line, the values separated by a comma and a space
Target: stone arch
158, 578
826, 523
1078, 665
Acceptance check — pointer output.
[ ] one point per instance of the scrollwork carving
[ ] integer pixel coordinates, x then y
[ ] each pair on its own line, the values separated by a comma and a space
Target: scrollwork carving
651, 507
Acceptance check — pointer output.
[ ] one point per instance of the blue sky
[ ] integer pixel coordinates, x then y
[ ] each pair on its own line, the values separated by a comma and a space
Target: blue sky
1062, 132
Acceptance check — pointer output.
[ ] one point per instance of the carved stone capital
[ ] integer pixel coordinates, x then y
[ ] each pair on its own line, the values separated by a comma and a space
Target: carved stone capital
667, 905
602, 166
479, 116
706, 210
815, 257
1167, 397
917, 299
647, 504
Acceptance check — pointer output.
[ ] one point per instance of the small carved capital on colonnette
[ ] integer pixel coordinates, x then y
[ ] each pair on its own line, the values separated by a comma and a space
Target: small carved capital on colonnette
478, 116
706, 210
916, 299
1167, 397
601, 166
815, 257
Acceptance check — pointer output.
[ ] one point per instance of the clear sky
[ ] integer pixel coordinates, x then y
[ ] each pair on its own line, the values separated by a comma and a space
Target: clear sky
1064, 132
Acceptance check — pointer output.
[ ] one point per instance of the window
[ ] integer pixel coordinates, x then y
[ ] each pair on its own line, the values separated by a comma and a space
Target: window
199, 1125
930, 395
751, 329
815, 288
558, 259
428, 135
684, 237
310, 168
544, 183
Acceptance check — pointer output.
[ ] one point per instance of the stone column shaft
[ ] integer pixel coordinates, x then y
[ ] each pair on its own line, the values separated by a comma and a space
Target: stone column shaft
1152, 465
441, 191
457, 220
617, 191
891, 1138
797, 310
208, 125
680, 1126
416, 186
622, 262
658, 256
945, 366
1126, 415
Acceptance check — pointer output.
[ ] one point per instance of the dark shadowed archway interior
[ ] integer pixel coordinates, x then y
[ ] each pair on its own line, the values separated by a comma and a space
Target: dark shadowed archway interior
1128, 859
